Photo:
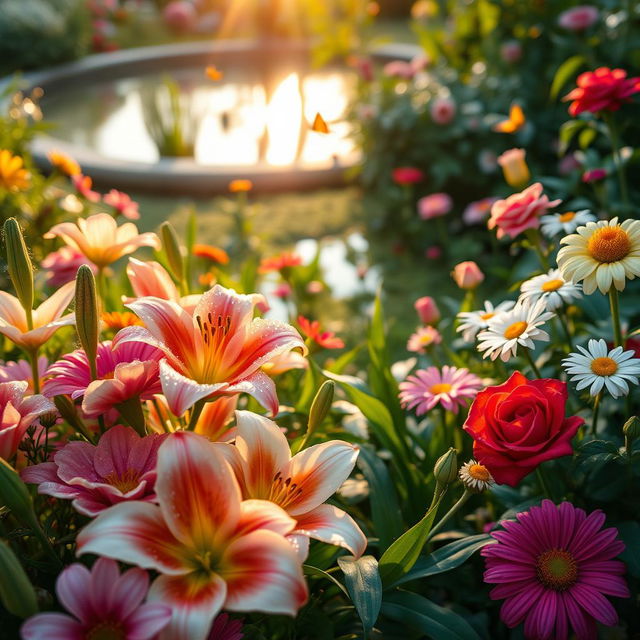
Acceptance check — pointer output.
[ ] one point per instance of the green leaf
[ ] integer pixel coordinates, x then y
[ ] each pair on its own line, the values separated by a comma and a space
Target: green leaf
319, 573
586, 137
567, 131
446, 558
567, 69
630, 534
400, 557
364, 586
427, 617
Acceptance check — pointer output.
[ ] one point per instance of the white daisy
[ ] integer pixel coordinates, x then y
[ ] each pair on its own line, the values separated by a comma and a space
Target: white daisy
598, 367
551, 287
556, 224
512, 328
475, 476
473, 321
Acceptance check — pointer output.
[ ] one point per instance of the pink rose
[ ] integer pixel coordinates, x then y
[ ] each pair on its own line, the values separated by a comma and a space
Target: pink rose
593, 175
443, 110
467, 275
478, 211
578, 18
511, 51
434, 206
433, 252
520, 211
180, 16
427, 309
407, 175
399, 69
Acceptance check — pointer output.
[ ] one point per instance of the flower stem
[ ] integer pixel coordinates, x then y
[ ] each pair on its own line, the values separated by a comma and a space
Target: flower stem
617, 159
532, 364
543, 483
596, 411
447, 516
565, 327
33, 359
536, 242
195, 414
615, 315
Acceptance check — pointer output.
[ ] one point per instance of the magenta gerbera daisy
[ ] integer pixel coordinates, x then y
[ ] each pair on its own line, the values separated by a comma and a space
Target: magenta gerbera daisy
554, 567
450, 387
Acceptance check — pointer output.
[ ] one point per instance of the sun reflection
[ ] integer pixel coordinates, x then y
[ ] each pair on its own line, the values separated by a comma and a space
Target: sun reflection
284, 121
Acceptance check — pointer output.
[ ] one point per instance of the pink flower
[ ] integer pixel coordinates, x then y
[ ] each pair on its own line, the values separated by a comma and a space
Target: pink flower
82, 185
299, 484
434, 206
17, 414
121, 467
104, 604
62, 265
568, 164
433, 253
180, 16
224, 628
100, 238
578, 18
212, 550
364, 66
593, 175
399, 69
405, 176
443, 110
478, 211
122, 203
553, 567
20, 371
511, 51
282, 262
467, 275
283, 291
313, 331
520, 211
451, 388
217, 349
601, 90
423, 338
427, 309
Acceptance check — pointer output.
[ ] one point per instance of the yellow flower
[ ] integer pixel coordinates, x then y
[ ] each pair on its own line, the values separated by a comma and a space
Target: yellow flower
120, 319
13, 175
601, 254
64, 163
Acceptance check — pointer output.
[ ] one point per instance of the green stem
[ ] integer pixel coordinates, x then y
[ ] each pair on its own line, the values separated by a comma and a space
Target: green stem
596, 411
195, 414
532, 364
565, 327
615, 315
33, 359
543, 483
617, 159
447, 516
536, 242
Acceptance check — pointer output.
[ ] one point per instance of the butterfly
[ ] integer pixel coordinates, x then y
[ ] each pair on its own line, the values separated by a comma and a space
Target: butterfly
319, 124
514, 123
213, 73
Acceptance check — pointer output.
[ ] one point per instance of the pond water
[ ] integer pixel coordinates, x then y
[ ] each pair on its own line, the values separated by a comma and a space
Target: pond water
253, 116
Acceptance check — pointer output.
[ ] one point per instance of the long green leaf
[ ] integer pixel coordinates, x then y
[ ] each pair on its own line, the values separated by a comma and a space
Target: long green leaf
564, 72
319, 573
364, 586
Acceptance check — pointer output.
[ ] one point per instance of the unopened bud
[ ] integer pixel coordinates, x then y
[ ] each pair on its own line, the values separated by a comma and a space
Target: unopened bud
631, 428
19, 264
171, 246
70, 414
87, 315
320, 406
446, 468
16, 592
14, 494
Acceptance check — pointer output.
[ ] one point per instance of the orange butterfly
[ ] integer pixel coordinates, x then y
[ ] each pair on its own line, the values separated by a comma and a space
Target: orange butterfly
515, 122
213, 73
319, 124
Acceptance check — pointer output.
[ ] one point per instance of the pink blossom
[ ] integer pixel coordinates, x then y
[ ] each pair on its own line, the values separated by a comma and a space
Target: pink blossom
467, 275
283, 291
578, 18
104, 604
594, 175
427, 310
121, 467
478, 211
122, 203
423, 338
511, 51
180, 16
407, 175
224, 628
399, 69
443, 110
433, 253
364, 66
568, 164
520, 211
20, 371
62, 265
434, 205
83, 185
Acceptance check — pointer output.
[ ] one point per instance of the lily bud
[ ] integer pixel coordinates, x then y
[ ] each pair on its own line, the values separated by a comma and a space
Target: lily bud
320, 406
631, 429
515, 169
14, 494
87, 315
446, 468
19, 264
16, 592
171, 246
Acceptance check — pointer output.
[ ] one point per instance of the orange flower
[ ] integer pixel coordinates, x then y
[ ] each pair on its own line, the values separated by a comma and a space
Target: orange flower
284, 260
120, 319
207, 279
313, 331
64, 163
13, 175
238, 186
213, 73
211, 253
514, 122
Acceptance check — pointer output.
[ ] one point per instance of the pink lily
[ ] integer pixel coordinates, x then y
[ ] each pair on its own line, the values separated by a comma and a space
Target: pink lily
121, 467
17, 414
217, 349
47, 318
299, 484
211, 549
100, 238
122, 203
104, 604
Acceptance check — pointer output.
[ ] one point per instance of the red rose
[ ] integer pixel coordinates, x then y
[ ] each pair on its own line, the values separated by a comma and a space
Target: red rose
519, 424
601, 90
407, 175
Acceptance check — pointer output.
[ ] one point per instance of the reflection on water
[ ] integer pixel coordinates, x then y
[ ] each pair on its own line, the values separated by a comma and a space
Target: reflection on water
249, 118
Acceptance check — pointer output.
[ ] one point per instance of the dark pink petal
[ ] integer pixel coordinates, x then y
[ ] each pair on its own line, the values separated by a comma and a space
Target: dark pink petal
594, 603
514, 610
147, 621
74, 588
583, 624
130, 591
541, 620
75, 460
38, 473
607, 584
104, 579
52, 626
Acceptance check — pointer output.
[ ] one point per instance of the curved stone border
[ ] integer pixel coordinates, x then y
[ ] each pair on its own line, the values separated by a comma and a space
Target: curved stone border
182, 176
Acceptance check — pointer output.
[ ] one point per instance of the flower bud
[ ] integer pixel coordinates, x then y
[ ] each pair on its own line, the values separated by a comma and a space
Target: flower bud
14, 494
16, 592
467, 275
171, 246
427, 309
87, 315
320, 406
515, 169
631, 429
445, 470
19, 264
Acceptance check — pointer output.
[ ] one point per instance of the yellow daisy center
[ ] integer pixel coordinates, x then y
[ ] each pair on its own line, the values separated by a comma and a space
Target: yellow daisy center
487, 316
604, 366
426, 339
567, 217
552, 285
441, 387
515, 330
479, 472
129, 480
556, 569
609, 244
